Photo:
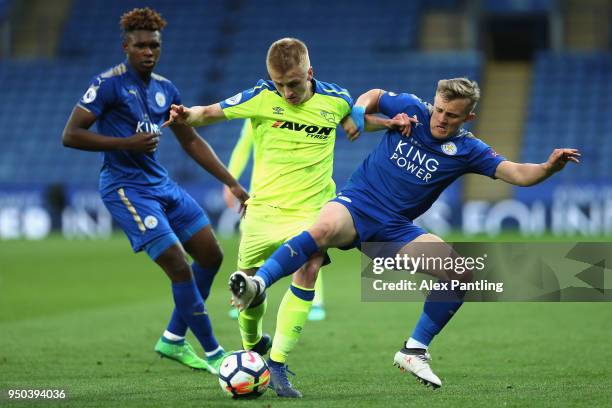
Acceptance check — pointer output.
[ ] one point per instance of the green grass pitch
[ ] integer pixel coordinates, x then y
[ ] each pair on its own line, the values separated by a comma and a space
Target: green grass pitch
84, 316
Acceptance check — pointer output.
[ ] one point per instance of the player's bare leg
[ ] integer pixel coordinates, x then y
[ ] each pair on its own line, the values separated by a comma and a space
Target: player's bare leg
334, 227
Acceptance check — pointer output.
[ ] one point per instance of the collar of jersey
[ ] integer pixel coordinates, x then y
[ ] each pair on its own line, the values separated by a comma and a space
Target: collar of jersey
132, 72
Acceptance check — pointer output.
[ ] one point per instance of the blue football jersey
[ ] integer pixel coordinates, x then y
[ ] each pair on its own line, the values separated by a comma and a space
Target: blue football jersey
124, 105
405, 175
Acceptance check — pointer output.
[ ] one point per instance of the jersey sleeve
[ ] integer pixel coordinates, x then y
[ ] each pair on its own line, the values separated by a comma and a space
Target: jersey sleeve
337, 91
242, 150
99, 95
347, 109
390, 103
483, 159
245, 104
175, 95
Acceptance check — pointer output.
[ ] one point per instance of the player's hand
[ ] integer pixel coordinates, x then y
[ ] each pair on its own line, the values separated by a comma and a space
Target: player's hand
142, 142
177, 114
241, 194
403, 123
349, 126
560, 157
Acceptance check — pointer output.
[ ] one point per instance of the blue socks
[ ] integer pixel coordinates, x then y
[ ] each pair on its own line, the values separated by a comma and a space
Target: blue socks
191, 309
439, 308
177, 325
288, 258
204, 278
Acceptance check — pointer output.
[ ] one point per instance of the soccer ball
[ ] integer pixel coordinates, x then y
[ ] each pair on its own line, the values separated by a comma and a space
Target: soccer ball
244, 374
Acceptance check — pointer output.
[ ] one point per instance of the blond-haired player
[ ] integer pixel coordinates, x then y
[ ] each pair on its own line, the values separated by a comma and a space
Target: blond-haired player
294, 118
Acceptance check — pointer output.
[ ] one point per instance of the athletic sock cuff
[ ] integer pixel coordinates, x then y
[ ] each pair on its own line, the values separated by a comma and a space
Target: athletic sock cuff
302, 293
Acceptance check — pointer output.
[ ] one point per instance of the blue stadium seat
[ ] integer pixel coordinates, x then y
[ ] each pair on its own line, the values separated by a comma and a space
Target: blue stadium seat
570, 106
208, 37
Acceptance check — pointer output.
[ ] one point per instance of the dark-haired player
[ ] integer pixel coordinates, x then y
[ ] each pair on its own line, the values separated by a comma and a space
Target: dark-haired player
129, 102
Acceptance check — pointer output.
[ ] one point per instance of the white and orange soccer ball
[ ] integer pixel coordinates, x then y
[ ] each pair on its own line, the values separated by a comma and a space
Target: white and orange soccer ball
244, 374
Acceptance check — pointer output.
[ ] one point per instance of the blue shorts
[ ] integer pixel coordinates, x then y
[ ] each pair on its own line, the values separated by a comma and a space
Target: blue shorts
374, 224
154, 219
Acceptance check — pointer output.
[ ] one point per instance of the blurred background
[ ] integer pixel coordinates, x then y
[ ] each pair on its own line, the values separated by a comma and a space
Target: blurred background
544, 67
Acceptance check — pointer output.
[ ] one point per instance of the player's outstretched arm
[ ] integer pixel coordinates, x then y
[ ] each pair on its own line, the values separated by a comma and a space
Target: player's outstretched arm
369, 100
200, 151
195, 116
528, 174
400, 122
78, 136
369, 104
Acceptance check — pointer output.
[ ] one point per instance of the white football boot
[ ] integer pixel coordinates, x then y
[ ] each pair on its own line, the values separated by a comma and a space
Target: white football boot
416, 362
244, 289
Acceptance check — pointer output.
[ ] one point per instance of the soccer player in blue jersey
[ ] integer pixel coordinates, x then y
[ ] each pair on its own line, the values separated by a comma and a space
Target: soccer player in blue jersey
129, 102
396, 183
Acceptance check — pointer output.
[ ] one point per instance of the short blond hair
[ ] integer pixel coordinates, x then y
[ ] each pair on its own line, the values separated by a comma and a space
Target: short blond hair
459, 88
287, 53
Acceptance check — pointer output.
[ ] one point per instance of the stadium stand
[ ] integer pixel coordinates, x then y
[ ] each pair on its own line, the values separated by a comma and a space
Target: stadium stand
211, 50
571, 105
90, 44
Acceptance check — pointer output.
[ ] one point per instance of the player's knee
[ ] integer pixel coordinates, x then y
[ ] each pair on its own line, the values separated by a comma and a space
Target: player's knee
211, 258
463, 276
322, 233
174, 264
468, 276
179, 273
216, 257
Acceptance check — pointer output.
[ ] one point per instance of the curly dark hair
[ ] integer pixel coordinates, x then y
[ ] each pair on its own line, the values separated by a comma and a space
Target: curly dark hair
141, 19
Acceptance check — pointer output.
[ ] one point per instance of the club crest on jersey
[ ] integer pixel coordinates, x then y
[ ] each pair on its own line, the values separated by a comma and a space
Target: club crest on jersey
277, 110
150, 222
160, 99
449, 148
328, 116
90, 94
234, 100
